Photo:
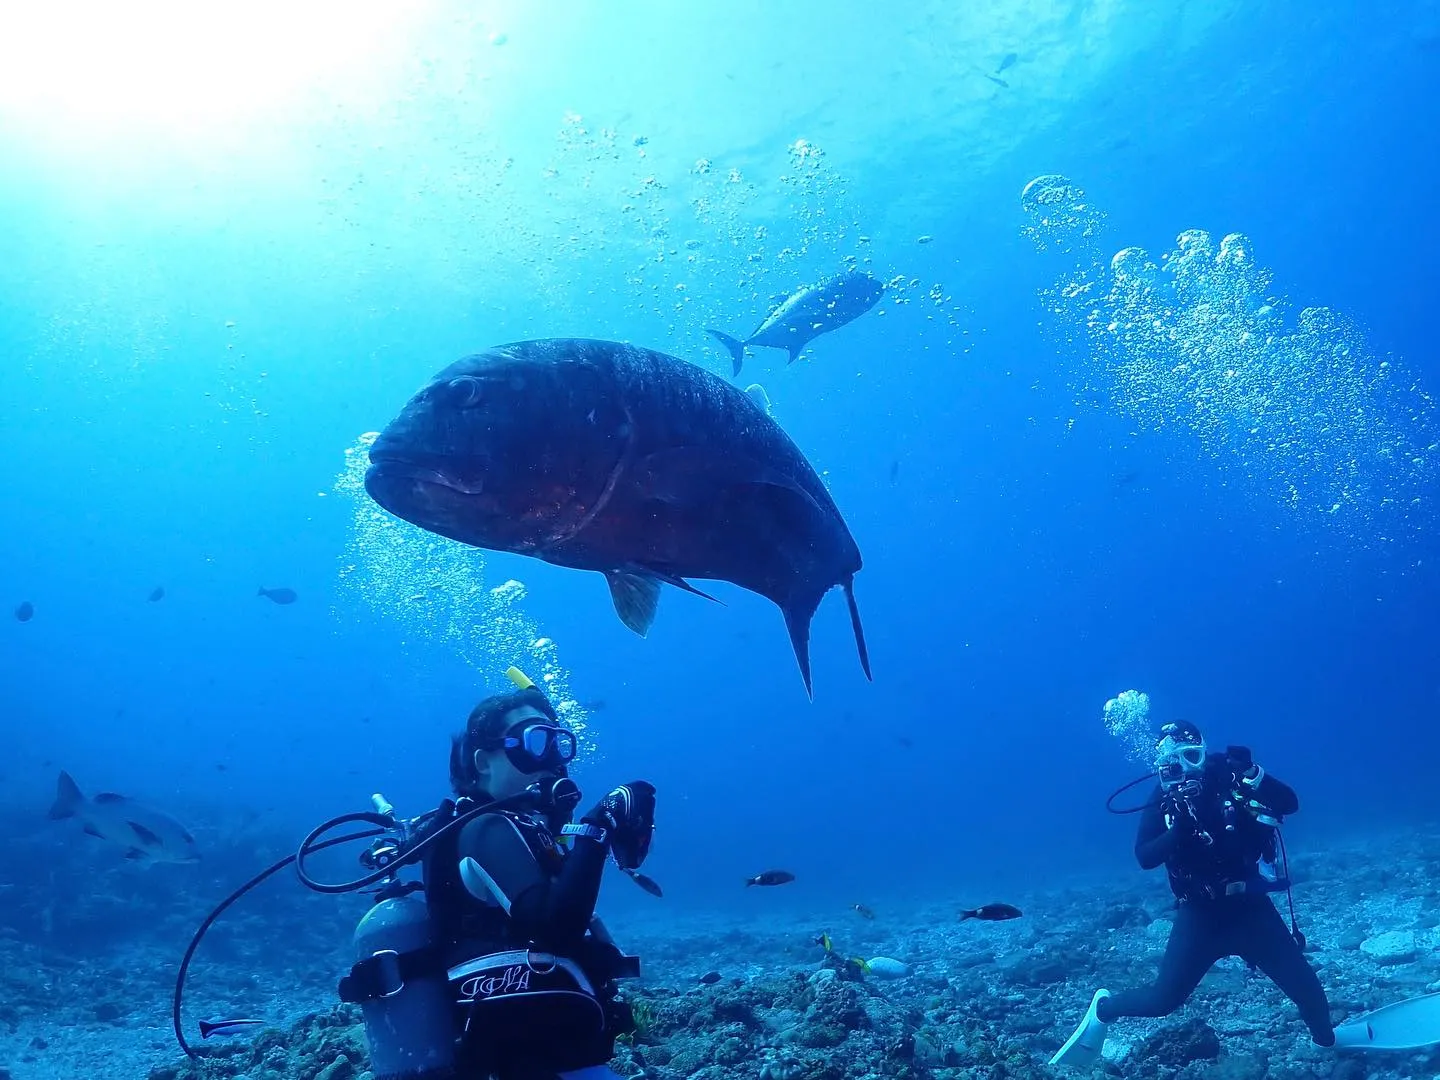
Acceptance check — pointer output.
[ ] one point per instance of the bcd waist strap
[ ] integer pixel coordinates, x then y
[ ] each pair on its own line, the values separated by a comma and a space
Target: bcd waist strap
384, 974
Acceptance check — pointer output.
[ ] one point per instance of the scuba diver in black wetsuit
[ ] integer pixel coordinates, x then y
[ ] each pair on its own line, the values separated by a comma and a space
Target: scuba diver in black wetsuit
513, 974
1213, 823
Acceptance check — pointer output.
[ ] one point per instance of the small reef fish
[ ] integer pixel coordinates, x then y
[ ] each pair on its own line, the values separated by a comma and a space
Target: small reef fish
710, 978
863, 911
279, 596
823, 940
771, 877
225, 1027
156, 594
25, 611
992, 913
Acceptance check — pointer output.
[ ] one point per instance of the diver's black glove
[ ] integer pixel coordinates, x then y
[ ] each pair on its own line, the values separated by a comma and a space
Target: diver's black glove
1242, 764
628, 812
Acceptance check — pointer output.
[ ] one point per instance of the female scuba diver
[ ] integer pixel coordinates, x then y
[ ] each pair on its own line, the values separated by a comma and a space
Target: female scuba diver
1213, 822
503, 971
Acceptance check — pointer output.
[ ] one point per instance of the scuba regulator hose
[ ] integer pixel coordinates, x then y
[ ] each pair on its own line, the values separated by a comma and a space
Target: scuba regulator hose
404, 852
236, 895
1110, 802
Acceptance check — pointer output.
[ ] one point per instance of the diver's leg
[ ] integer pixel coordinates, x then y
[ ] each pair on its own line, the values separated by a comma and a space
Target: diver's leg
1264, 940
1194, 946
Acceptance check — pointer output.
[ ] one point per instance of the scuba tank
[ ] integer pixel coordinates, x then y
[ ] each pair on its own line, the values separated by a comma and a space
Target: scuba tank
410, 1030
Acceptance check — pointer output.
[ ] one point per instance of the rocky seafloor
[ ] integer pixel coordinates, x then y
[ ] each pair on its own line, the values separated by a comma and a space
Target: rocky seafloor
989, 1000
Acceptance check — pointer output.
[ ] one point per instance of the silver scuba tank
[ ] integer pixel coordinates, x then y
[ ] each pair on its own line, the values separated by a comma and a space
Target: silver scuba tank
411, 1029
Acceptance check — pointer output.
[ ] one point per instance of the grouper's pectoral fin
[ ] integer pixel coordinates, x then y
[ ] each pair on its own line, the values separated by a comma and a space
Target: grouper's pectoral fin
636, 593
636, 597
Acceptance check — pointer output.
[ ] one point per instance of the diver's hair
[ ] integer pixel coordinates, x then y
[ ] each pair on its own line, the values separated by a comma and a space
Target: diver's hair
486, 724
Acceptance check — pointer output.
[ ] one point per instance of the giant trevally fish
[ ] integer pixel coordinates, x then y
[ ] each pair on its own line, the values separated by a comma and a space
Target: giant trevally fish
610, 457
807, 313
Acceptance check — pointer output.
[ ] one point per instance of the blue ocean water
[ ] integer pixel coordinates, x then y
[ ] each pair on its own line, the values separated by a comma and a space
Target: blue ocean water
230, 252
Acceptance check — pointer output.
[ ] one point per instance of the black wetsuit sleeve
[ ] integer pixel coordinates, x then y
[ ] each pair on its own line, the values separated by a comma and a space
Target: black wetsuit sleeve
1278, 796
1154, 843
554, 913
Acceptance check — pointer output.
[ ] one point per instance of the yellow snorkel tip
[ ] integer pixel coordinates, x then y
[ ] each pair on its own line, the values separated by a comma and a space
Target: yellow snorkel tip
519, 678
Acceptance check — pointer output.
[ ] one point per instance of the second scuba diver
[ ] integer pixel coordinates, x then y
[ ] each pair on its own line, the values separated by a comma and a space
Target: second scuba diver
519, 975
1213, 823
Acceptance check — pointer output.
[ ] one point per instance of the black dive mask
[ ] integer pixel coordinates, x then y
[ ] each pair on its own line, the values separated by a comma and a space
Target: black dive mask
534, 747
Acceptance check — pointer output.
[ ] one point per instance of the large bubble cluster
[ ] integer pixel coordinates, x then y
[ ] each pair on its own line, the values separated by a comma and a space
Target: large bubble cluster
1299, 408
1127, 718
438, 592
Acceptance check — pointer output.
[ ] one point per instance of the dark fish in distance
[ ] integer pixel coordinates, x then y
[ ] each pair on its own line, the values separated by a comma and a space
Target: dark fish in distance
25, 611
807, 313
225, 1027
710, 978
1007, 62
992, 913
601, 456
141, 832
771, 877
863, 911
157, 594
279, 596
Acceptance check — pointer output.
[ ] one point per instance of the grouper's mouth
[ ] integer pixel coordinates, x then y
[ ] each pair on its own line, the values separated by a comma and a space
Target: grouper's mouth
388, 472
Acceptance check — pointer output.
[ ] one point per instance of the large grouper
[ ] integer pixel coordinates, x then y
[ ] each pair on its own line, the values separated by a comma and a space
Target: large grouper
603, 456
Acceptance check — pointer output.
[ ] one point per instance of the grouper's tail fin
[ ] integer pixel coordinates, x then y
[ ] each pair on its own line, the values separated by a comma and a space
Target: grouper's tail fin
797, 621
800, 610
735, 348
849, 585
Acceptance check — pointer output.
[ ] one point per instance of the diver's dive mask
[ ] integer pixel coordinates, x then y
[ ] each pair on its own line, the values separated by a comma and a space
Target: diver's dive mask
535, 746
1179, 754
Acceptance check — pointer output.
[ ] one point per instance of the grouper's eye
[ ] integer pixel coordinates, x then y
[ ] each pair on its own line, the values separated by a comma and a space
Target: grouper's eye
463, 392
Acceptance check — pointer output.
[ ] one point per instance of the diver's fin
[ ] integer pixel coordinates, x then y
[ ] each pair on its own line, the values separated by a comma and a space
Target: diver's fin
735, 348
636, 596
1405, 1025
849, 586
1084, 1048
